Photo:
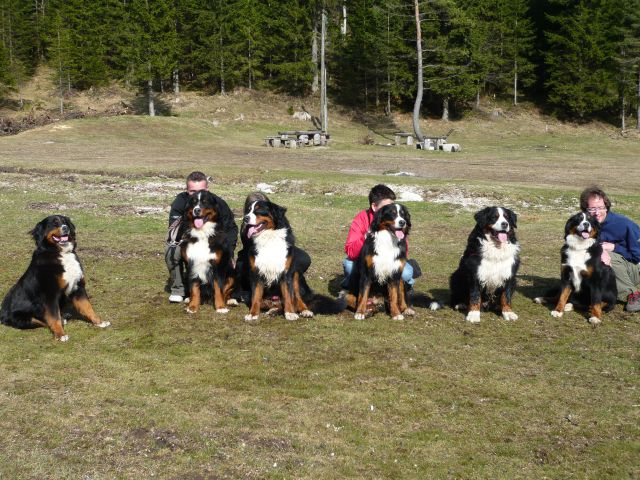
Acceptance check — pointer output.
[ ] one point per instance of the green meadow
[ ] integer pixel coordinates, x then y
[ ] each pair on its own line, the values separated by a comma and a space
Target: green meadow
164, 394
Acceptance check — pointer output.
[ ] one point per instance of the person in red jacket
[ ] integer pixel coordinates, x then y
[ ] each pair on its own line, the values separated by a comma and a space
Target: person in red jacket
379, 196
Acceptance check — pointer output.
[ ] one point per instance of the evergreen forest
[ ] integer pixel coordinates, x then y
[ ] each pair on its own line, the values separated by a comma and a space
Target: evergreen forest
576, 59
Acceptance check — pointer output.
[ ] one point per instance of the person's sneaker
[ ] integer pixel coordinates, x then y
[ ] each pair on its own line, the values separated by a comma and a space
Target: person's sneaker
175, 299
633, 302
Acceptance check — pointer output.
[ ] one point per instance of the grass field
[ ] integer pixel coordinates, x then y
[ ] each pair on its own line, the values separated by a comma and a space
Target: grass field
166, 395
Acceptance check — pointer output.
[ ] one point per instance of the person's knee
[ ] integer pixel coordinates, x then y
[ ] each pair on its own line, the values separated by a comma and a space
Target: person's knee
407, 274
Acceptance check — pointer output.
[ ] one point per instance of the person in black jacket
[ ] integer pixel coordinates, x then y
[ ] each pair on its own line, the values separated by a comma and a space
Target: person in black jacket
196, 181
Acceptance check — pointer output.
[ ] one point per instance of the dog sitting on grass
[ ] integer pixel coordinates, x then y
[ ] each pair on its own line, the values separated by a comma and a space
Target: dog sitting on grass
53, 279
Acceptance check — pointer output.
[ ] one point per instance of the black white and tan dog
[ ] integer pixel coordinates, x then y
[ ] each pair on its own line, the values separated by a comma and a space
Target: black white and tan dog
53, 279
488, 267
276, 266
208, 242
379, 267
585, 280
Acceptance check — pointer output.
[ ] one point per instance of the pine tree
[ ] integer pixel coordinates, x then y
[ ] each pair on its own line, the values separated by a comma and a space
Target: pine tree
581, 81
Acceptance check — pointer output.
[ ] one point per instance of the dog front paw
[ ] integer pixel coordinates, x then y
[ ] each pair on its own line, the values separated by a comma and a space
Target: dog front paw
290, 316
232, 302
63, 338
250, 318
409, 311
433, 306
556, 313
594, 321
222, 310
509, 316
103, 324
306, 313
398, 317
359, 316
568, 307
473, 316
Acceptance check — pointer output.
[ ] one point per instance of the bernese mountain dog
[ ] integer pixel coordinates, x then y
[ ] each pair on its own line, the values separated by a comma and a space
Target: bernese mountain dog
53, 279
275, 269
379, 267
207, 247
488, 267
585, 281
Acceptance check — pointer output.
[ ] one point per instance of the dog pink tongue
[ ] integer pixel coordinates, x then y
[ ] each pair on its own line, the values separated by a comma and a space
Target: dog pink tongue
64, 239
502, 237
585, 234
198, 222
251, 232
400, 234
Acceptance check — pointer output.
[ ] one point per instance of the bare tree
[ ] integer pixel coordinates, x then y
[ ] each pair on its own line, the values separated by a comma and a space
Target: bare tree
418, 103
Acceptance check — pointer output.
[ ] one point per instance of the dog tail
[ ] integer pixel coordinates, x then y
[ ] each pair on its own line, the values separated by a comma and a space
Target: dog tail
550, 296
323, 305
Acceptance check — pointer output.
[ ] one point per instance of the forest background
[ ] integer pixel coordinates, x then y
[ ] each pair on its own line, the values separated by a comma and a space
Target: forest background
578, 60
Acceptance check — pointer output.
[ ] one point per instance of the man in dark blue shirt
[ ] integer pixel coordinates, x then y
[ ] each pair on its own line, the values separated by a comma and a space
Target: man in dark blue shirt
620, 239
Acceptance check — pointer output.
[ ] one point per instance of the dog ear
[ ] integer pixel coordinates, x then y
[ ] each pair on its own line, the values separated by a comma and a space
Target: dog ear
278, 214
482, 216
407, 217
375, 223
38, 231
572, 221
513, 218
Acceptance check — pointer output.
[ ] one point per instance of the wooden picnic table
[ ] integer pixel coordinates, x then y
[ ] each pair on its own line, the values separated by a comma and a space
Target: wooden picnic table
298, 138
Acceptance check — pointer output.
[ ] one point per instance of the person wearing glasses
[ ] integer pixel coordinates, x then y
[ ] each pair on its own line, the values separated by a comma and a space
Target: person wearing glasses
620, 239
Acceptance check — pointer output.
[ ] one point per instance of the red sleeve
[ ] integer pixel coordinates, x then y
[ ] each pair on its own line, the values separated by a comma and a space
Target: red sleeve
357, 232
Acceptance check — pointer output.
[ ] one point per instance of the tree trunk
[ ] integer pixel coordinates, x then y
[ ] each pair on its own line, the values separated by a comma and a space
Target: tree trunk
176, 83
152, 108
314, 54
60, 72
388, 109
623, 115
418, 102
478, 96
445, 109
343, 26
324, 113
515, 82
222, 89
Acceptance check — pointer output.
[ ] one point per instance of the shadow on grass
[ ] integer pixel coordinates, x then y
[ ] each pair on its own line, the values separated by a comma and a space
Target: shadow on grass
536, 286
140, 106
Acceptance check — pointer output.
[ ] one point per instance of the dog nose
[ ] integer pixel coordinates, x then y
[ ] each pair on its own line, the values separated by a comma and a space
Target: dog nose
64, 229
401, 223
504, 225
196, 211
246, 219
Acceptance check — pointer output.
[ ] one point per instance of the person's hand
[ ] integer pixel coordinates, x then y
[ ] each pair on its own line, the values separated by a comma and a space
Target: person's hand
606, 258
608, 246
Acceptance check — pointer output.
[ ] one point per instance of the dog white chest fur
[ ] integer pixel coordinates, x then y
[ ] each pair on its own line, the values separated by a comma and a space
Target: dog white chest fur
385, 260
72, 270
271, 254
577, 257
497, 263
198, 252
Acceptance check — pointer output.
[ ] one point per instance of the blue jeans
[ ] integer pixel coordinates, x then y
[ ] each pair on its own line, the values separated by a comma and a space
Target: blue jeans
347, 266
